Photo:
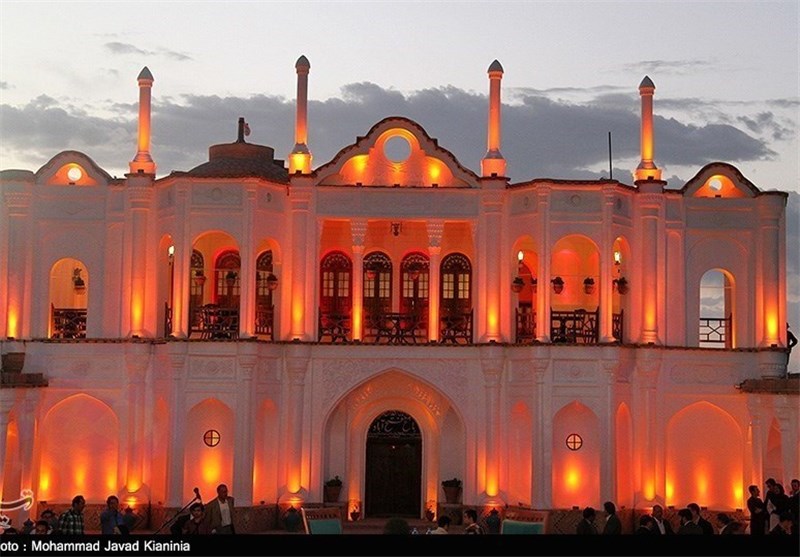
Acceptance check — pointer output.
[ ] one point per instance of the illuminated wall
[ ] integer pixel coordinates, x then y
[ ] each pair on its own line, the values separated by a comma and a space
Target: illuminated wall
576, 474
158, 461
624, 458
704, 448
79, 451
206, 467
773, 465
267, 445
520, 449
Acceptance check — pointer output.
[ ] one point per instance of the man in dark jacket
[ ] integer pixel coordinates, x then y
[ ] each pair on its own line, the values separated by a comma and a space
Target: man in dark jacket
586, 525
613, 524
704, 524
758, 512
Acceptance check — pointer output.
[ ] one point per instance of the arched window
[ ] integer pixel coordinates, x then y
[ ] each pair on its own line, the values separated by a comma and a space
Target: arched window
414, 283
456, 284
336, 286
226, 279
196, 287
716, 310
377, 284
265, 283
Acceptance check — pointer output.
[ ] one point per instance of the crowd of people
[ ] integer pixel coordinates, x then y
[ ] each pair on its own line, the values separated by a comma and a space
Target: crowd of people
776, 514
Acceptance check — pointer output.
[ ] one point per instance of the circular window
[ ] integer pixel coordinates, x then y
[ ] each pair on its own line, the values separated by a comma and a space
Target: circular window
397, 148
211, 438
715, 184
574, 441
74, 174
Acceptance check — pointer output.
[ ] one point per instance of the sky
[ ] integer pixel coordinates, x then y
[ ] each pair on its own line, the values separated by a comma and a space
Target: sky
727, 76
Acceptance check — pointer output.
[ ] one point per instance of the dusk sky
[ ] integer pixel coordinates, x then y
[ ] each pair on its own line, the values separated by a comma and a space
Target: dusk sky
727, 76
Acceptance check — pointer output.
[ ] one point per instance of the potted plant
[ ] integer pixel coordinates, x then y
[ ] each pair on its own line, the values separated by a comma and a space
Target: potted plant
622, 285
332, 489
452, 490
517, 284
558, 285
199, 277
230, 277
588, 285
77, 280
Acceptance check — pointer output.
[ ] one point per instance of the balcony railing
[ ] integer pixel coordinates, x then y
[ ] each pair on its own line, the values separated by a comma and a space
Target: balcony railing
574, 327
334, 327
617, 325
526, 326
214, 322
265, 320
68, 322
716, 331
455, 328
396, 328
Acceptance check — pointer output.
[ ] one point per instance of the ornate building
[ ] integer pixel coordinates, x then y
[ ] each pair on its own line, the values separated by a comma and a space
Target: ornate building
393, 318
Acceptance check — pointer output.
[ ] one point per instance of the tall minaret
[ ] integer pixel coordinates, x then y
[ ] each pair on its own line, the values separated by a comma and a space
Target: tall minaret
647, 169
143, 162
494, 163
300, 157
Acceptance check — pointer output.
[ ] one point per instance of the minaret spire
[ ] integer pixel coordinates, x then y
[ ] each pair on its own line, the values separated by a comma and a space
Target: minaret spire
647, 169
300, 157
493, 164
143, 162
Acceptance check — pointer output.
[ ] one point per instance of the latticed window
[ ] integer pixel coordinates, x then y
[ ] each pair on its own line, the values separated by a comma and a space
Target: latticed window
263, 270
415, 279
227, 279
335, 283
456, 282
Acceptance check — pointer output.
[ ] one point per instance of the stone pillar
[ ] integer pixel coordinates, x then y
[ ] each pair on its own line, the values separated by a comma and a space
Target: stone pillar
303, 254
542, 434
646, 431
137, 362
17, 313
491, 255
247, 284
27, 415
493, 164
138, 194
435, 232
786, 411
177, 420
143, 163
358, 229
297, 360
300, 158
492, 362
246, 417
7, 398
650, 212
543, 248
181, 285
647, 169
756, 439
607, 265
608, 433
771, 269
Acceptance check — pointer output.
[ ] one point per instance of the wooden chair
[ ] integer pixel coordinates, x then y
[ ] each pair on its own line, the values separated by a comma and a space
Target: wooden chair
324, 520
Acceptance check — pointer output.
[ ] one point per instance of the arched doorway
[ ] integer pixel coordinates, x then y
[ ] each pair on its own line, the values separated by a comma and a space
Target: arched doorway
394, 466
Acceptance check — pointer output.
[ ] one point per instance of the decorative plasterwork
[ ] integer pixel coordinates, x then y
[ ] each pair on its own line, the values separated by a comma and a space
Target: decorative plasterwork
211, 368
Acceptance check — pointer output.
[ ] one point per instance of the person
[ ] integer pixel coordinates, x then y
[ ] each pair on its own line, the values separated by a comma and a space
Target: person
220, 512
71, 521
758, 512
111, 521
698, 519
586, 526
397, 526
196, 525
728, 526
613, 524
688, 526
784, 525
471, 525
41, 528
791, 342
780, 504
647, 526
442, 525
794, 503
51, 519
662, 526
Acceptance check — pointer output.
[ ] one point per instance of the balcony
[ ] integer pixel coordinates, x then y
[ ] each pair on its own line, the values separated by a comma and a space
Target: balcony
68, 323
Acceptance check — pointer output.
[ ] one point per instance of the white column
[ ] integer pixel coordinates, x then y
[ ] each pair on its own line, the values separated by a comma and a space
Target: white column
17, 314
647, 169
245, 418
177, 431
302, 255
435, 232
138, 193
143, 162
137, 361
247, 284
297, 359
607, 265
492, 361
358, 228
543, 248
542, 467
651, 201
493, 164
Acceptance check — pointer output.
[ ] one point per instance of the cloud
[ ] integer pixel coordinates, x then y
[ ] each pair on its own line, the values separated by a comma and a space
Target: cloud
542, 137
126, 48
4, 85
663, 67
765, 123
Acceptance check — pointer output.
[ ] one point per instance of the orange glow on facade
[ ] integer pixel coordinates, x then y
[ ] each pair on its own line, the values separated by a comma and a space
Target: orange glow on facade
649, 490
701, 485
492, 484
670, 491
772, 328
300, 162
572, 479
44, 484
493, 321
137, 312
211, 466
12, 322
293, 484
297, 317
357, 320
738, 493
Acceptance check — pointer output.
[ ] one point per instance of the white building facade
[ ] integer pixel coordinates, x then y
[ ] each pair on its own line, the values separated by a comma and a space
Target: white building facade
392, 319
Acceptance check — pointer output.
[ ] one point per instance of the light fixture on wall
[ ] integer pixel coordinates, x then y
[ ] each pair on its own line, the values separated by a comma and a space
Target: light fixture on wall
77, 281
397, 227
558, 285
